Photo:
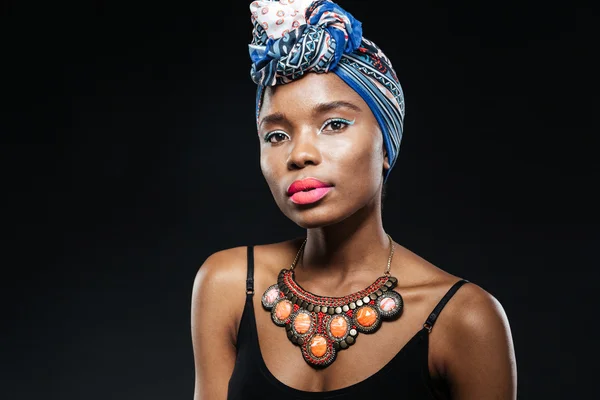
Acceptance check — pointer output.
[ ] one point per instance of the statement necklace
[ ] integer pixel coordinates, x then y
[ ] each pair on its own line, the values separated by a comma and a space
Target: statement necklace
322, 326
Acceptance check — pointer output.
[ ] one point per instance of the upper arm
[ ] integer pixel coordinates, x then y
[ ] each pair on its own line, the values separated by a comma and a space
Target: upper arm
217, 301
480, 363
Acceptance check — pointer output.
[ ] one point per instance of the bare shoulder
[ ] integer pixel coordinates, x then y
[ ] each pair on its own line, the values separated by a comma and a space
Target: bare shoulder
221, 283
217, 304
475, 346
224, 266
228, 268
471, 311
223, 276
475, 314
471, 344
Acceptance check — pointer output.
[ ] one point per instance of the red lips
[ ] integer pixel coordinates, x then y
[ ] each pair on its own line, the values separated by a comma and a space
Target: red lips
306, 184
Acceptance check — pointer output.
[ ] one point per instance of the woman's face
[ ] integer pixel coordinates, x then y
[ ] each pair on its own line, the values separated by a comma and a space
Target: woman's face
318, 127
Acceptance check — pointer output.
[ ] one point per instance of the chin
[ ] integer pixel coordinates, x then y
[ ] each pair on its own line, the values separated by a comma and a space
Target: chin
315, 216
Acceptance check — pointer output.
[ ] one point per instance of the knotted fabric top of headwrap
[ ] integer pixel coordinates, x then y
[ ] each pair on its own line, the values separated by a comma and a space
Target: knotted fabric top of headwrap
293, 37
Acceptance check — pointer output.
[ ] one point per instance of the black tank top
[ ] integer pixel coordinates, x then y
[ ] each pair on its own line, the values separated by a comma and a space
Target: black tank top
406, 374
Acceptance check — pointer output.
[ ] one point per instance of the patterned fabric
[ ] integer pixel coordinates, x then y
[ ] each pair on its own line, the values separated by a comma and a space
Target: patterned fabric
294, 37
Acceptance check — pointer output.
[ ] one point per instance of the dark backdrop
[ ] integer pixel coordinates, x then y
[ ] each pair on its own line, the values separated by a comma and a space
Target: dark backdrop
130, 155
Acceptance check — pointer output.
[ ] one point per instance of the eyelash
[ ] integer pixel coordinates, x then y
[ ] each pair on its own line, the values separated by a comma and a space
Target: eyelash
342, 120
328, 122
269, 135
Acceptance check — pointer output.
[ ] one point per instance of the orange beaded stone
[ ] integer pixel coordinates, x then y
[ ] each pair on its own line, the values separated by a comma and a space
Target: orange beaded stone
318, 346
302, 323
283, 310
387, 304
366, 316
338, 327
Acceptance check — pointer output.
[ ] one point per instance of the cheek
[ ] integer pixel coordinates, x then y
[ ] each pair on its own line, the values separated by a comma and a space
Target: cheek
374, 152
267, 166
358, 156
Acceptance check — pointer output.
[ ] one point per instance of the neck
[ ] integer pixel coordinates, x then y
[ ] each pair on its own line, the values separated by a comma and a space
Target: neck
358, 244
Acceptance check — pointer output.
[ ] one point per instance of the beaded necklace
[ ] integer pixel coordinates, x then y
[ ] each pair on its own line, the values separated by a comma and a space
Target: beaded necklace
322, 326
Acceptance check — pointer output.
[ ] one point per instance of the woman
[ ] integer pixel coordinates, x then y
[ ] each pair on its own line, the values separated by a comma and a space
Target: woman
344, 312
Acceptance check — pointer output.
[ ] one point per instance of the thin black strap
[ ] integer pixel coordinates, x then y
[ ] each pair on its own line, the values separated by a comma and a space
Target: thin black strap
250, 276
438, 309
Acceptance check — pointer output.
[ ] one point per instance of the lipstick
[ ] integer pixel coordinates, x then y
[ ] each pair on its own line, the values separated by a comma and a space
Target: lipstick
307, 191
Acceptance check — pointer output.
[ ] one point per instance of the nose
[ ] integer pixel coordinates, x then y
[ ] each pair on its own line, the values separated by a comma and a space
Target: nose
304, 151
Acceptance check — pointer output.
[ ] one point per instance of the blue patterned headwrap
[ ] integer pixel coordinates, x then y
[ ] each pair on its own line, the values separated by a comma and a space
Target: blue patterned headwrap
293, 37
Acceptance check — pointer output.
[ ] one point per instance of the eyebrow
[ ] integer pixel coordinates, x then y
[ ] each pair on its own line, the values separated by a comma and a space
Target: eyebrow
274, 118
321, 108
334, 105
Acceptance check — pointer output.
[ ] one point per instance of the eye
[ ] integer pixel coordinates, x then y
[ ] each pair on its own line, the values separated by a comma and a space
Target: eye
336, 125
275, 137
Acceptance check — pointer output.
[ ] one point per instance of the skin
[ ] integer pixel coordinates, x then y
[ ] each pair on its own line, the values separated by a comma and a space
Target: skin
471, 354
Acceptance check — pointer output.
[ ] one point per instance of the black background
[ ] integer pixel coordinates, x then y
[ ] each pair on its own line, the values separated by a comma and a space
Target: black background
130, 155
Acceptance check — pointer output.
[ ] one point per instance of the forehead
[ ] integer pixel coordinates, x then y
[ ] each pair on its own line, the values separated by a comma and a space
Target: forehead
305, 93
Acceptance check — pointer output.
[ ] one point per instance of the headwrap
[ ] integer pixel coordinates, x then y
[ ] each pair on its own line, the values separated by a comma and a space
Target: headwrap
293, 37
